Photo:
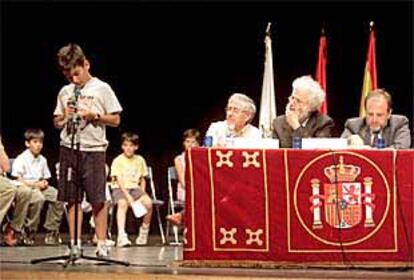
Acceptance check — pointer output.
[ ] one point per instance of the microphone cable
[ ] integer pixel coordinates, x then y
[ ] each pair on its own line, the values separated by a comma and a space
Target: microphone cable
345, 260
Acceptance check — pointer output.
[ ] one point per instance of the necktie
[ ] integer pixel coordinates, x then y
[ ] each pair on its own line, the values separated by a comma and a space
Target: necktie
375, 138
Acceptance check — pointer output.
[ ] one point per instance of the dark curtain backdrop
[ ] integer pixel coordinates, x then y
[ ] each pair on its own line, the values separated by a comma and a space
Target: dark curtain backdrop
174, 64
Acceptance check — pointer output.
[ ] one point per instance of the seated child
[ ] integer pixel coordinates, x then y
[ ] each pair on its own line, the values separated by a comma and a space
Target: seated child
128, 171
191, 139
31, 169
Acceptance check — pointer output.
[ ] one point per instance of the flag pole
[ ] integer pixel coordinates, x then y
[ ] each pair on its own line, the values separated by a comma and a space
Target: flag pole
321, 69
370, 70
269, 24
268, 102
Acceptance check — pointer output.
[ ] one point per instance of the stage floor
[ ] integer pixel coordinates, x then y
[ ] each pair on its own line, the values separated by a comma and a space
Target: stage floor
156, 262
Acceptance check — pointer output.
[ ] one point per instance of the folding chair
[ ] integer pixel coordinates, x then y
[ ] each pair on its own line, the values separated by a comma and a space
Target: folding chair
156, 203
173, 204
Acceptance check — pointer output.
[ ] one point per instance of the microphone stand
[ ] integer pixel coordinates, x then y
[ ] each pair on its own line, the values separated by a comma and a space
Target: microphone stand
75, 254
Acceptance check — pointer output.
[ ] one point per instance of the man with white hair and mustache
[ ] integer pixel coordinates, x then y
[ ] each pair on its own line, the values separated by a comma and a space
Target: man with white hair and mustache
302, 117
240, 111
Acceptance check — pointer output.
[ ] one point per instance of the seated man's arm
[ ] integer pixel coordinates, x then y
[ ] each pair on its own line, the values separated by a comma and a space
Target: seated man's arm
4, 159
402, 138
354, 140
214, 131
325, 130
275, 135
347, 131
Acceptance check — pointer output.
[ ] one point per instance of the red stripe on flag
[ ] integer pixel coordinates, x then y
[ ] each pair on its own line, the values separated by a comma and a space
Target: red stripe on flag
321, 70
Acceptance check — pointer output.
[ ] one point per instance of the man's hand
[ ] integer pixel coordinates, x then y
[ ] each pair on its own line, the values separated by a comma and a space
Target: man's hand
292, 118
355, 141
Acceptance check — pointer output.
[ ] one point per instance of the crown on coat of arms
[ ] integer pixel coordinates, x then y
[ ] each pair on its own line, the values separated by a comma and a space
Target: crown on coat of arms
342, 172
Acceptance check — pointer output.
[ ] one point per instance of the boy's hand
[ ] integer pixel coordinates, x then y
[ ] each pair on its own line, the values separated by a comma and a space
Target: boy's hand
45, 184
69, 111
129, 199
41, 185
87, 115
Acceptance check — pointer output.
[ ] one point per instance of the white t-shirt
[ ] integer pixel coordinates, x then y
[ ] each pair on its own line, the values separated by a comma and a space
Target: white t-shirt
98, 97
30, 168
220, 131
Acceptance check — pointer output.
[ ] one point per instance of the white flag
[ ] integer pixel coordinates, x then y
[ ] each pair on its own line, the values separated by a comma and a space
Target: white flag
268, 102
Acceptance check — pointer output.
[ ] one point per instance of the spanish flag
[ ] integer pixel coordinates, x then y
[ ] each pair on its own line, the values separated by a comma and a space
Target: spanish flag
370, 74
321, 70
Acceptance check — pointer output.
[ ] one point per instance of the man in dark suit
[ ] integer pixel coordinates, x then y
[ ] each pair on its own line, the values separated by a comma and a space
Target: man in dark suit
302, 117
378, 123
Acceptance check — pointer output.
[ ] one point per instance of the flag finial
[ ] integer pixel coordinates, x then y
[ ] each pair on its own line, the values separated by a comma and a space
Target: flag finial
371, 25
268, 28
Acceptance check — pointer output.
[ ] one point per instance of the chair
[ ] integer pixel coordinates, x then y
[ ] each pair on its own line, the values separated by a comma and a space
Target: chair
173, 204
156, 203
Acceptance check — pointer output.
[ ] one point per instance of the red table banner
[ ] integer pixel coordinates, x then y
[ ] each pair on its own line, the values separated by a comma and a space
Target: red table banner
299, 207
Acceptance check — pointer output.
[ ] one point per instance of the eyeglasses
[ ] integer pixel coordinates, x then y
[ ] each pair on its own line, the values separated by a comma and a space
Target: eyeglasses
297, 100
235, 110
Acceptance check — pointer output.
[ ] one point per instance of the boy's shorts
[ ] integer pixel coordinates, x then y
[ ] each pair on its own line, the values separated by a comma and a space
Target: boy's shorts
91, 178
118, 194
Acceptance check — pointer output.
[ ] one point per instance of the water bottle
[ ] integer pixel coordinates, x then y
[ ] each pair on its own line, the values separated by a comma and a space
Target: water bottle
208, 141
297, 143
380, 143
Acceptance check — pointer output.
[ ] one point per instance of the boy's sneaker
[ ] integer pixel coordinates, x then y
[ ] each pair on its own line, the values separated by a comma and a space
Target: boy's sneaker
102, 251
9, 236
74, 251
123, 240
28, 238
53, 238
176, 219
142, 238
108, 242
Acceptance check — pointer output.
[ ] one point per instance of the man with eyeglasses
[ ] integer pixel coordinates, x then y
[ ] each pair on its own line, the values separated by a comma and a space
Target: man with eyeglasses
379, 122
240, 111
302, 117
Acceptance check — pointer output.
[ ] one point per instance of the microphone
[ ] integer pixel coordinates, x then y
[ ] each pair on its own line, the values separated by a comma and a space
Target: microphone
76, 91
73, 100
73, 103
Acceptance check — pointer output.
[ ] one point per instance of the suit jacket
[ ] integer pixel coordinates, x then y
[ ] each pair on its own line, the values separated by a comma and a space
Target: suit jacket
318, 125
396, 134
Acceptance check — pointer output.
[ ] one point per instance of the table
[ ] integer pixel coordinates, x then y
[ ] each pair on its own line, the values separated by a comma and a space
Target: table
282, 207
